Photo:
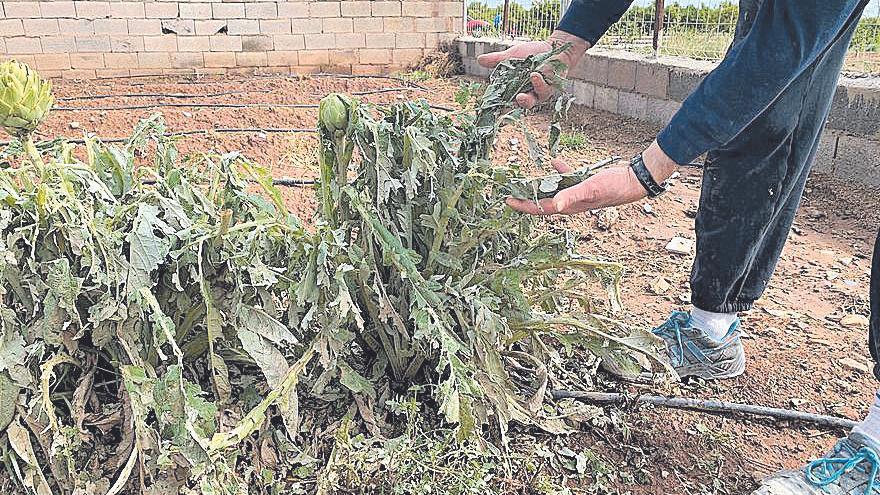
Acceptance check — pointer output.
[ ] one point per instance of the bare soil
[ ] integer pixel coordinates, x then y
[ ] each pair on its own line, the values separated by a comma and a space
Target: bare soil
800, 355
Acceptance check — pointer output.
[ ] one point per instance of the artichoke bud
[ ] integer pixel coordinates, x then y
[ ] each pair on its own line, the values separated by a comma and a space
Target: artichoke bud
25, 98
333, 112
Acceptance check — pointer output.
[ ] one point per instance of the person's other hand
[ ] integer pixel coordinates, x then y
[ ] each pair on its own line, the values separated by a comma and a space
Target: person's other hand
542, 90
613, 186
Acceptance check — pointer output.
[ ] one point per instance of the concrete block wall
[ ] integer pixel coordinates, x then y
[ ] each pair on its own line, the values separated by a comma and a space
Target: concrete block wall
86, 39
652, 90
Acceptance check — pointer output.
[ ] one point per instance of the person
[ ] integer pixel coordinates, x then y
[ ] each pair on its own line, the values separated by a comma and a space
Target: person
758, 117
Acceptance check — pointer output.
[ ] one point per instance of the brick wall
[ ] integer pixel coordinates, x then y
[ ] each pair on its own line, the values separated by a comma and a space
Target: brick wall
652, 90
85, 39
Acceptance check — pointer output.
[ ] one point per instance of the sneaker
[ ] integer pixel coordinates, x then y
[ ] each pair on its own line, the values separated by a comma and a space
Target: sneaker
692, 353
851, 468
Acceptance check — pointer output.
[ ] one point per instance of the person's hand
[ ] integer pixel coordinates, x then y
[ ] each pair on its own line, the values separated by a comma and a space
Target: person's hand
613, 186
542, 90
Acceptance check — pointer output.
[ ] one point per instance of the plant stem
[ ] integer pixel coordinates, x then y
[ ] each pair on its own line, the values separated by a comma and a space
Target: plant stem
33, 154
437, 242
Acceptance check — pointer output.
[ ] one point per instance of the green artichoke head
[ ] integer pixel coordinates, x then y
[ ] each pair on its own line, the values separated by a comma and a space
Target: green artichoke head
333, 112
25, 98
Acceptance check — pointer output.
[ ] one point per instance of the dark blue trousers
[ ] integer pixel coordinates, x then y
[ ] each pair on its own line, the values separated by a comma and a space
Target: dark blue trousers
753, 185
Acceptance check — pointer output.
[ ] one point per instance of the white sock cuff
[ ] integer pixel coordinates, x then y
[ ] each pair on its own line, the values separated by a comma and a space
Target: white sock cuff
716, 325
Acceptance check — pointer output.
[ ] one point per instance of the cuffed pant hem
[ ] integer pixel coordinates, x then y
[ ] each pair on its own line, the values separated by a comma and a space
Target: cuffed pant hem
728, 307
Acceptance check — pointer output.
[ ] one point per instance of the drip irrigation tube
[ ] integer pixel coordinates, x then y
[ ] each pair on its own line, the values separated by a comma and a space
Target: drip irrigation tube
147, 106
267, 76
161, 95
387, 90
277, 181
291, 182
213, 95
709, 406
221, 130
186, 105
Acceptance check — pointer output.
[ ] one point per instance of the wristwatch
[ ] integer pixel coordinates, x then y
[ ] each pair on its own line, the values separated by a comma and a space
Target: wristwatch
637, 164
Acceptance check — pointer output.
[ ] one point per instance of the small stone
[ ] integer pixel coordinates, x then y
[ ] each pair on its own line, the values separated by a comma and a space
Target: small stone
680, 245
74, 125
608, 217
188, 115
853, 365
854, 321
660, 286
647, 208
514, 142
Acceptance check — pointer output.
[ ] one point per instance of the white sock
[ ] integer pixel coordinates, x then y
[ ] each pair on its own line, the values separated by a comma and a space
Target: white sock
715, 325
870, 427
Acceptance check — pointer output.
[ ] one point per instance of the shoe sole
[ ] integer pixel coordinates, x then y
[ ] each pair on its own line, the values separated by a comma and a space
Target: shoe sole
737, 366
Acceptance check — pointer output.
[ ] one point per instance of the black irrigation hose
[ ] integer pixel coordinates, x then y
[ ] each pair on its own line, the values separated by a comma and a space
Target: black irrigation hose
277, 181
161, 95
212, 95
271, 76
146, 106
709, 406
291, 182
220, 130
187, 105
387, 90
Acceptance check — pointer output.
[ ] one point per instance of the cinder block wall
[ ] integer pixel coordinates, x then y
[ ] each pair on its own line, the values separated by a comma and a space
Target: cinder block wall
85, 39
652, 90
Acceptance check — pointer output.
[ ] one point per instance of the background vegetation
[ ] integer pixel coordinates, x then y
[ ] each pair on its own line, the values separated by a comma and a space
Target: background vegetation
701, 32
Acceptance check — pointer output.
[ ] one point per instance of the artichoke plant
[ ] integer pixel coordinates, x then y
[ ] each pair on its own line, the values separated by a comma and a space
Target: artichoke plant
25, 98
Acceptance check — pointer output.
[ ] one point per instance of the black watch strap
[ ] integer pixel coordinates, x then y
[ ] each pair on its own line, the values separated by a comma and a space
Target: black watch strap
637, 164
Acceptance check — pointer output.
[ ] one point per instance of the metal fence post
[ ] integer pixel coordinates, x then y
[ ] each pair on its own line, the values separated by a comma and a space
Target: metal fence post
505, 19
659, 15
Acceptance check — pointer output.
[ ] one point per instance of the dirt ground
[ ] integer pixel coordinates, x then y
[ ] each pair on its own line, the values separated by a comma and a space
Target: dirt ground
802, 353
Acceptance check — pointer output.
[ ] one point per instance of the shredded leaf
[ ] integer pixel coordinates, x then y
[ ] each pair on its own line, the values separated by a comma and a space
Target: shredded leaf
215, 345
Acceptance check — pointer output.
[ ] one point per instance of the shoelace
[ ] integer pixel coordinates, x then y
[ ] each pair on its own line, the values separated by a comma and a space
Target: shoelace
672, 328
827, 471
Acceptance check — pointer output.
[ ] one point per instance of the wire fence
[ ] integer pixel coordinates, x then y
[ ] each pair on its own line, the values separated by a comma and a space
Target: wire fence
699, 31
514, 19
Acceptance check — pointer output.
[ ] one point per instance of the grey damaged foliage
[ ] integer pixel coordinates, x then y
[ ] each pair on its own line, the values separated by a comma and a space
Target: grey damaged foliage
139, 305
166, 326
437, 281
